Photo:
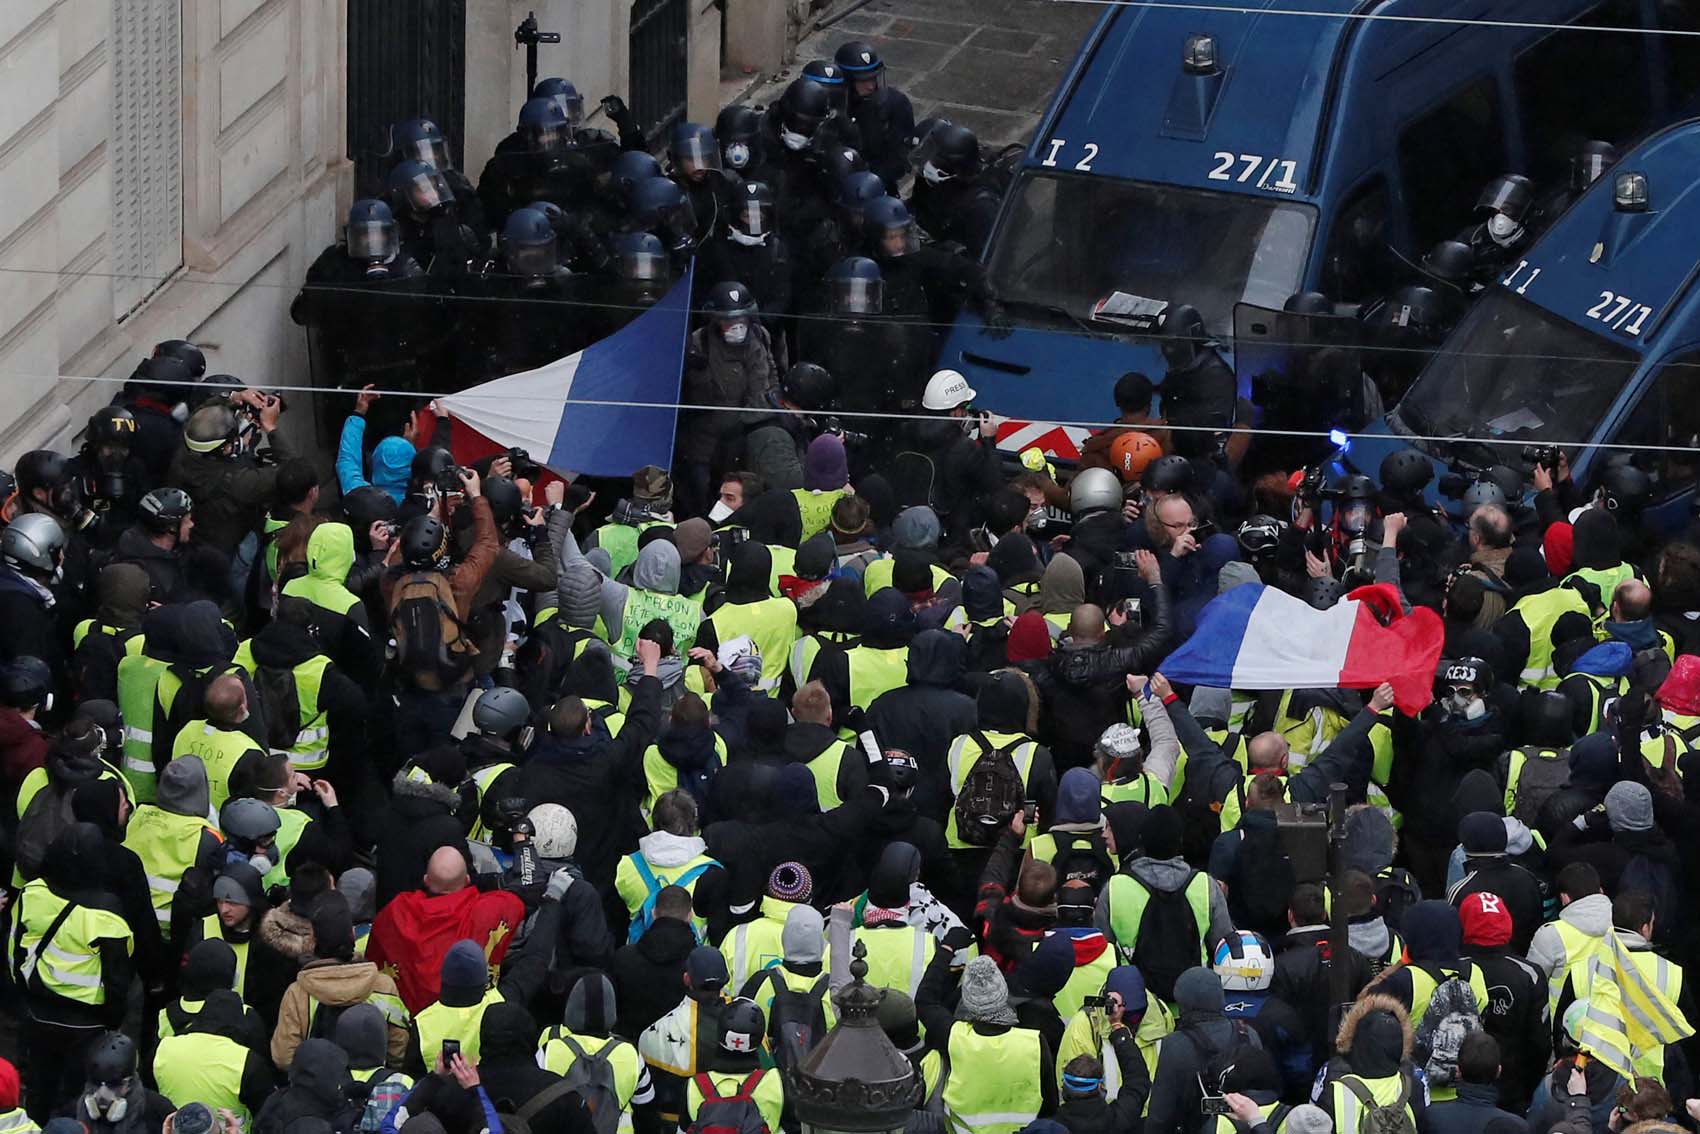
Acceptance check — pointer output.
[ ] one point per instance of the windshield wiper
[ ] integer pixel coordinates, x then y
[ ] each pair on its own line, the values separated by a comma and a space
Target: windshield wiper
1056, 309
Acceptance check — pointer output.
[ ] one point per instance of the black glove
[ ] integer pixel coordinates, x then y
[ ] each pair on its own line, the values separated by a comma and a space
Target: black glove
615, 107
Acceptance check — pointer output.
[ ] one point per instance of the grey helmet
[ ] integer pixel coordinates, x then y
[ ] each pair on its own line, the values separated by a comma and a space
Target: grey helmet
251, 820
1481, 493
501, 712
34, 541
1094, 490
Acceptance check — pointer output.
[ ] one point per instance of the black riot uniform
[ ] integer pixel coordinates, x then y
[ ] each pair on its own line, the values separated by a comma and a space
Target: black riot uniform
923, 282
420, 139
534, 319
884, 118
428, 220
695, 165
950, 201
551, 155
1199, 387
1507, 211
749, 249
880, 361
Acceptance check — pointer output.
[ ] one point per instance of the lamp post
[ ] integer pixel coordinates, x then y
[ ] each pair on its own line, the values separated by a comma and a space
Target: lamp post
855, 1081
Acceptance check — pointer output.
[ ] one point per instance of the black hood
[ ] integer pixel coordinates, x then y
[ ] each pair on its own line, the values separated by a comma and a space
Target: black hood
592, 675
76, 860
936, 658
982, 594
508, 1032
667, 941
191, 634
1477, 791
689, 749
320, 1071
224, 1014
772, 518
1014, 560
1002, 703
889, 621
1432, 932
362, 1033
888, 885
283, 645
842, 609
749, 575
1596, 542
122, 591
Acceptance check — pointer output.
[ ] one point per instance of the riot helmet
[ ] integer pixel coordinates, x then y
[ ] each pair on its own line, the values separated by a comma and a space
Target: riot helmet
807, 386
1505, 203
1624, 488
529, 246
372, 234
1184, 336
185, 352
738, 130
732, 306
856, 287
1590, 163
889, 230
419, 187
854, 193
1450, 261
564, 94
631, 167
752, 214
802, 108
419, 139
545, 128
837, 163
862, 66
1417, 310
642, 262
661, 207
693, 150
948, 153
501, 712
831, 78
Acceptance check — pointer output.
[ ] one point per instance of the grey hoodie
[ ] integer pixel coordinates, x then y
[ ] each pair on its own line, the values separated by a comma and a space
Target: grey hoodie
183, 788
657, 569
1592, 915
1167, 875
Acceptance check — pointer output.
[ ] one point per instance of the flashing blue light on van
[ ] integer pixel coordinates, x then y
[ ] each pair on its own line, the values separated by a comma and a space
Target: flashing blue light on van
1338, 438
1233, 154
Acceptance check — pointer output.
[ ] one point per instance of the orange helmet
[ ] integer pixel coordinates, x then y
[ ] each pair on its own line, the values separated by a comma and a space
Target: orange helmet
1131, 452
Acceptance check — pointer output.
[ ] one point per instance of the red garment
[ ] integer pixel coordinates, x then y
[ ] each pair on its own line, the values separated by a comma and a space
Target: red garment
1680, 692
411, 934
1558, 546
23, 748
1029, 639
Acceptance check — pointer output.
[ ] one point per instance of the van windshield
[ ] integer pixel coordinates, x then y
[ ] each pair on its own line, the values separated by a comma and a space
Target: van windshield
1069, 242
1513, 370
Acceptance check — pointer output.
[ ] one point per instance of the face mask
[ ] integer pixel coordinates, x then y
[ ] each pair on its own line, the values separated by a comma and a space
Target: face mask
719, 512
1503, 230
737, 155
934, 174
736, 334
260, 863
746, 239
180, 412
108, 1102
793, 142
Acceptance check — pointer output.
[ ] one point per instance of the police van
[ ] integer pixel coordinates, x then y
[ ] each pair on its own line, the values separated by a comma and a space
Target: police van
1233, 158
1592, 338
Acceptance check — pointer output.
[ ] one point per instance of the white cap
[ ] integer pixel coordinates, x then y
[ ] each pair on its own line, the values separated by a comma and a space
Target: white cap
946, 390
557, 830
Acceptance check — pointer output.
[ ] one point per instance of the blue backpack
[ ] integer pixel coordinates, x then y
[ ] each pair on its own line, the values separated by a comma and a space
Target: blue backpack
645, 916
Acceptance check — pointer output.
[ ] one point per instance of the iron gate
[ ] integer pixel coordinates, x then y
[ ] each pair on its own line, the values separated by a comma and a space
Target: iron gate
406, 59
659, 63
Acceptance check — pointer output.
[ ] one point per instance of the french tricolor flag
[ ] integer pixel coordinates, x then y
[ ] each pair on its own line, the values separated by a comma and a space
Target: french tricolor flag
1257, 637
605, 411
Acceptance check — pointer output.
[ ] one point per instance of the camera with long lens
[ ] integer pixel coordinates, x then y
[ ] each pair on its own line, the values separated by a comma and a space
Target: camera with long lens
524, 468
849, 436
1541, 456
448, 481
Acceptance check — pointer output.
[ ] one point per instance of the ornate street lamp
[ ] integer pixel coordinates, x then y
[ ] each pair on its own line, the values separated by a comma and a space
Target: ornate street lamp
855, 1081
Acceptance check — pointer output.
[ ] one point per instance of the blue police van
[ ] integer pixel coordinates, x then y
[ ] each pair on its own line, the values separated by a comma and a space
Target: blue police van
1230, 159
1592, 338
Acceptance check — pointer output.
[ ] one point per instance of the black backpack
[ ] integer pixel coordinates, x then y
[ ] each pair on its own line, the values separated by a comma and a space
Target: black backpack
1215, 1064
1167, 943
282, 704
1083, 856
1541, 778
796, 1021
992, 792
1261, 882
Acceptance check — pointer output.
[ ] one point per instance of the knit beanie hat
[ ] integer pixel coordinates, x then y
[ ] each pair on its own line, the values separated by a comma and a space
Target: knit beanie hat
985, 995
465, 974
333, 926
1308, 1118
916, 528
360, 887
791, 882
825, 466
1485, 919
210, 964
1482, 833
1629, 806
815, 558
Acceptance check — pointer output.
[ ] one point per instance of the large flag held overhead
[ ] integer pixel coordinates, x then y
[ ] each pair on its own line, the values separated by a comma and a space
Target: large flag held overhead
544, 411
1629, 1017
1257, 637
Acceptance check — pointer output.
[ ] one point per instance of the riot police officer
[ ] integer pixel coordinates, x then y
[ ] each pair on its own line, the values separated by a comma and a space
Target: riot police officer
879, 362
694, 156
429, 221
1587, 165
1402, 331
748, 248
153, 393
949, 200
421, 139
534, 324
788, 130
884, 118
111, 477
924, 282
1199, 387
552, 153
1506, 208
743, 151
660, 207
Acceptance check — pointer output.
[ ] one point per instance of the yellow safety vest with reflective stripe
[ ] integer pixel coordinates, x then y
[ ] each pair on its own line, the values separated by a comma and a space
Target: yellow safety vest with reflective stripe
1143, 788
67, 962
1423, 985
965, 752
1579, 950
218, 749
751, 947
808, 648
482, 778
555, 1053
620, 541
771, 624
1086, 980
1666, 976
768, 1093
1129, 899
874, 671
1350, 1113
388, 1004
167, 844
1088, 1034
898, 956
767, 991
815, 507
204, 1067
138, 678
213, 930
311, 750
663, 777
642, 607
1605, 580
290, 825
1541, 613
1520, 758
1680, 727
17, 1122
994, 1085
133, 640
1233, 805
824, 768
438, 1022
879, 574
1227, 1125
1603, 692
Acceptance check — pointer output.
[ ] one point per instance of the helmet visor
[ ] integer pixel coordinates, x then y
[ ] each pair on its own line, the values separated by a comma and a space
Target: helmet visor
373, 240
1589, 167
572, 105
428, 191
531, 259
697, 153
643, 265
856, 296
1505, 196
897, 240
753, 217
547, 140
431, 151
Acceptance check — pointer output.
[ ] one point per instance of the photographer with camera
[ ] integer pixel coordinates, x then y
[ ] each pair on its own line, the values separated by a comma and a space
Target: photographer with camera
230, 481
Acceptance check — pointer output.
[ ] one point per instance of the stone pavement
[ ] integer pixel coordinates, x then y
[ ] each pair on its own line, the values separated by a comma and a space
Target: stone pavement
989, 65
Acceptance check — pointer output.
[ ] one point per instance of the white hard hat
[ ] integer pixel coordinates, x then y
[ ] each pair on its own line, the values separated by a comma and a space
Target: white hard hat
946, 390
557, 830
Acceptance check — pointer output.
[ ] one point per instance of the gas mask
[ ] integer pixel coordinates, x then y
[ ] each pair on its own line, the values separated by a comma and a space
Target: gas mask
745, 239
1465, 706
735, 333
1502, 230
934, 175
377, 270
794, 142
260, 863
109, 1101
